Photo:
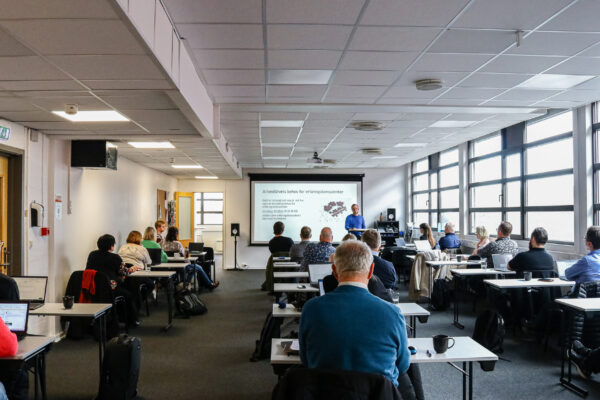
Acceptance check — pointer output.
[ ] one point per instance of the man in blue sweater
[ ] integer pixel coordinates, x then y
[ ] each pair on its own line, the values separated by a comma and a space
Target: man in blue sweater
587, 269
349, 328
450, 241
383, 269
355, 221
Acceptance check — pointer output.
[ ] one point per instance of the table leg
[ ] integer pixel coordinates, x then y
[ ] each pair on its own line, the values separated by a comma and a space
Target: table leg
456, 303
470, 380
464, 379
413, 323
42, 373
169, 289
102, 341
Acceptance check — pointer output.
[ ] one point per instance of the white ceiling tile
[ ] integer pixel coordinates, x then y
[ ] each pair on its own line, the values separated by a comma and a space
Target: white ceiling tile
226, 36
471, 93
593, 51
375, 116
309, 37
313, 11
587, 96
39, 85
134, 84
24, 9
12, 47
411, 92
392, 38
377, 78
325, 123
340, 116
228, 59
297, 90
277, 116
236, 91
555, 43
245, 100
578, 66
355, 91
292, 99
37, 69
108, 66
214, 11
448, 78
373, 60
303, 59
473, 41
509, 14
234, 76
451, 62
592, 84
403, 101
581, 17
521, 64
527, 94
412, 12
350, 100
486, 80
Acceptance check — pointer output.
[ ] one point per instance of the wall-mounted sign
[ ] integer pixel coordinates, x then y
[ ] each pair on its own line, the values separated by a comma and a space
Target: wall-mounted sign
4, 133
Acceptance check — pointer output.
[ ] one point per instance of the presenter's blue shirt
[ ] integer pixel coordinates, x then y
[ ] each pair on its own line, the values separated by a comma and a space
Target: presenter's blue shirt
587, 269
357, 222
352, 330
450, 241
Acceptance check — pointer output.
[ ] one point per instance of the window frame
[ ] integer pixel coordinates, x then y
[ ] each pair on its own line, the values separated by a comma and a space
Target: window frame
202, 212
596, 161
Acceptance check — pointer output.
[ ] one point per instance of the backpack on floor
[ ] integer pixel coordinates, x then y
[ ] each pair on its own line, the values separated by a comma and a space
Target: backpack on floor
121, 368
271, 330
442, 295
189, 303
489, 332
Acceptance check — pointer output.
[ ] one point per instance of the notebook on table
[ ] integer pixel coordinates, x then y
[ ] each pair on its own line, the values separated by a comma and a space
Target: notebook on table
32, 289
15, 316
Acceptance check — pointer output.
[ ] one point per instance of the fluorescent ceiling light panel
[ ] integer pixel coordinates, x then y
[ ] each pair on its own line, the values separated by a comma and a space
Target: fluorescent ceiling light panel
93, 116
281, 124
411, 144
554, 81
181, 166
451, 124
277, 145
207, 177
299, 76
275, 158
152, 145
382, 157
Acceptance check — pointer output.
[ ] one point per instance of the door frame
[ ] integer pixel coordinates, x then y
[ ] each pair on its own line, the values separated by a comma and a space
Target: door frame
16, 218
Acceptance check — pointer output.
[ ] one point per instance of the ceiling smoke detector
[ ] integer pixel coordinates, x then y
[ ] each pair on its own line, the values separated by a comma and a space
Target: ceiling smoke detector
428, 84
315, 159
367, 126
372, 151
71, 109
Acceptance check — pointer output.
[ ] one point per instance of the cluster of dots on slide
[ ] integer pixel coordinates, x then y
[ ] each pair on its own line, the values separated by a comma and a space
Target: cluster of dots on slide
335, 208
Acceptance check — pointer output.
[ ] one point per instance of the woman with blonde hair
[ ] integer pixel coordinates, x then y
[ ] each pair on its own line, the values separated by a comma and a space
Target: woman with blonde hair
483, 236
427, 234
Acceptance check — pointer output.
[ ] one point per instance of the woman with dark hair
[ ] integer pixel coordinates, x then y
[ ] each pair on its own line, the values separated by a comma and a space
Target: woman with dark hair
172, 243
427, 234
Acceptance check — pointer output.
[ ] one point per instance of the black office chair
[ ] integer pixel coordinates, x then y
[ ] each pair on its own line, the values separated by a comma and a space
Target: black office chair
208, 263
155, 256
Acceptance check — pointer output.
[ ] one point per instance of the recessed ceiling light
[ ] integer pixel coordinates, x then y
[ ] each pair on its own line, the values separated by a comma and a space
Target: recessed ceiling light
207, 177
451, 124
382, 157
299, 76
152, 145
277, 144
93, 116
281, 124
181, 166
275, 158
411, 144
554, 81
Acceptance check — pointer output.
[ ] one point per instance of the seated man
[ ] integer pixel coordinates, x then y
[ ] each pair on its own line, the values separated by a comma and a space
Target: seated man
586, 360
502, 245
587, 269
9, 291
297, 250
349, 328
279, 243
450, 241
318, 253
537, 258
375, 287
384, 269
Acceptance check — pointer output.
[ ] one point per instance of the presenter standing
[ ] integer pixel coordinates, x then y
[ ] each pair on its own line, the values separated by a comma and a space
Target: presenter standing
354, 222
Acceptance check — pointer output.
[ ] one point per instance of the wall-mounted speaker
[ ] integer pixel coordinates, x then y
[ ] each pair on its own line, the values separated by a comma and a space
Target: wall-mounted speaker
391, 214
235, 229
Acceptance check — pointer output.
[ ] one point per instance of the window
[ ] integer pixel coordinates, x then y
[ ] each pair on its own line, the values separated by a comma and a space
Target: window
596, 160
435, 194
209, 209
524, 175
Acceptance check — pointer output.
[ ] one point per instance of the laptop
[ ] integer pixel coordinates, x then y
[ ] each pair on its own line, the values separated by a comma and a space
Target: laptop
32, 289
317, 272
15, 316
321, 288
400, 242
561, 267
501, 261
196, 248
422, 245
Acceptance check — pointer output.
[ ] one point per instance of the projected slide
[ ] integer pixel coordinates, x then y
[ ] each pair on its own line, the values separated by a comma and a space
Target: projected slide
314, 204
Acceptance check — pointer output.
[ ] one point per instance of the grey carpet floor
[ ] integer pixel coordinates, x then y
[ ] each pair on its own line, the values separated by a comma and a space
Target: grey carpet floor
206, 357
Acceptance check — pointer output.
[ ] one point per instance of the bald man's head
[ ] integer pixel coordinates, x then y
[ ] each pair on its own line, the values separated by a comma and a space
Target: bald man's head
326, 235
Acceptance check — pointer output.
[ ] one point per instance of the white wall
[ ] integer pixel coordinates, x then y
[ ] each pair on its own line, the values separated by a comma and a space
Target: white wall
382, 189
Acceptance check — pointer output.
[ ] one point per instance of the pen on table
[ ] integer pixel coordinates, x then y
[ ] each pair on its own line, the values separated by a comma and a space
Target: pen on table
428, 353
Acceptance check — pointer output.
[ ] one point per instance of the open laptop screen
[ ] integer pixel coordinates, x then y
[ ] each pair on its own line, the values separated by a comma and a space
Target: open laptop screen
14, 316
400, 242
422, 245
32, 288
561, 267
318, 271
321, 288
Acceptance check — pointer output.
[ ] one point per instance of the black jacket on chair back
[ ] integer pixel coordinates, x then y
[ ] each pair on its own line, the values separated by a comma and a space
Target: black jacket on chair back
9, 291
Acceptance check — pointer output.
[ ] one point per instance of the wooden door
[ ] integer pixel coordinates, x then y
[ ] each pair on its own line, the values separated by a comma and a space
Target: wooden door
184, 215
3, 211
161, 204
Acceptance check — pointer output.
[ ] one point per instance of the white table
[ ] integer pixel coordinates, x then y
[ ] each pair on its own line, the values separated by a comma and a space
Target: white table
465, 350
34, 348
282, 275
96, 311
438, 264
167, 278
286, 264
591, 305
295, 288
178, 260
523, 284
462, 275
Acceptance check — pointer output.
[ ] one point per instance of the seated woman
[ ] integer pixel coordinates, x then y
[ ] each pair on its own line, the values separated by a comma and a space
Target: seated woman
149, 242
172, 243
427, 234
8, 348
483, 236
136, 258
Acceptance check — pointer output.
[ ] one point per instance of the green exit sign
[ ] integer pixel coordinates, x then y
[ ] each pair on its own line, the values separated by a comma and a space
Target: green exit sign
4, 133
